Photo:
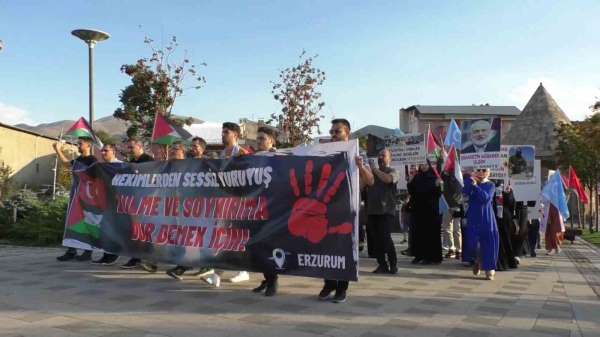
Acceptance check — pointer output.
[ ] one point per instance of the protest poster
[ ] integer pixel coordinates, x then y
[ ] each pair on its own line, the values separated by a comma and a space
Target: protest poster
521, 160
481, 147
407, 149
295, 212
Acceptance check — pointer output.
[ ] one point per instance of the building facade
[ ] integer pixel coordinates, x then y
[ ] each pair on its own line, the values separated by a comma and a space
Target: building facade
30, 156
417, 118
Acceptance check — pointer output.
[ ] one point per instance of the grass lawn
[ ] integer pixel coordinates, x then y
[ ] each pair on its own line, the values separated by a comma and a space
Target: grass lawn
593, 238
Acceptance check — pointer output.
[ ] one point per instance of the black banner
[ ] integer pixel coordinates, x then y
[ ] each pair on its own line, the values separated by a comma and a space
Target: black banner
285, 213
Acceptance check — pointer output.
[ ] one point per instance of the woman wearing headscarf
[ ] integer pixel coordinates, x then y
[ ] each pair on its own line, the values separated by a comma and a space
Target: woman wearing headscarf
425, 190
506, 229
482, 231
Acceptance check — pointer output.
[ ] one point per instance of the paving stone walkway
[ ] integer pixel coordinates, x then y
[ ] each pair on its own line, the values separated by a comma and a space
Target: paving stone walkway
547, 296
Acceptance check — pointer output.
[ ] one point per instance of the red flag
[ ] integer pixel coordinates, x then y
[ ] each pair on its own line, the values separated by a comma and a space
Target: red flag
452, 167
575, 184
92, 191
435, 150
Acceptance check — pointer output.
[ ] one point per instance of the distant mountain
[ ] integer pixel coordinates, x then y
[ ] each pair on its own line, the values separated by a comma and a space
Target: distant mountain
115, 127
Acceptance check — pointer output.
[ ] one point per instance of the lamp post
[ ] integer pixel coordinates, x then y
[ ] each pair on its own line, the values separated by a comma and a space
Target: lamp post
91, 37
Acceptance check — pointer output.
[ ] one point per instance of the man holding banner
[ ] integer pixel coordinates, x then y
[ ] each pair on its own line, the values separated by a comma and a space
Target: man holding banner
340, 132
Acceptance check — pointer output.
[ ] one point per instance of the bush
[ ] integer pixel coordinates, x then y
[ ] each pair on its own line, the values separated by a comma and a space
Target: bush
40, 221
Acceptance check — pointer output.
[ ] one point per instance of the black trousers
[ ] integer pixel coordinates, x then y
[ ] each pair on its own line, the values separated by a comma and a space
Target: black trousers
384, 245
336, 285
271, 278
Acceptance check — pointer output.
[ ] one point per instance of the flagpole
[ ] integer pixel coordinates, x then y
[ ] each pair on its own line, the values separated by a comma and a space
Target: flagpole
56, 168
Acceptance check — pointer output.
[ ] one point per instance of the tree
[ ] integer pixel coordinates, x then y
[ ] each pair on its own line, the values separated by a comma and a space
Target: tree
298, 94
579, 146
156, 83
105, 137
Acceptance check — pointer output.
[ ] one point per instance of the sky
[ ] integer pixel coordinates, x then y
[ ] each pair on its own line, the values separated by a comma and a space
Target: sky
379, 56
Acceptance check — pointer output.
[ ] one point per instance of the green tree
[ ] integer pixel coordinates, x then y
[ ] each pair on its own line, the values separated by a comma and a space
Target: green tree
105, 137
156, 83
298, 93
579, 146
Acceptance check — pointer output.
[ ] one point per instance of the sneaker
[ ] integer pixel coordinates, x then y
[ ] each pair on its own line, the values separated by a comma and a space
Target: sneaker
458, 255
340, 297
149, 267
110, 259
132, 263
261, 287
204, 271
271, 289
381, 270
99, 261
533, 254
393, 270
517, 260
240, 277
176, 273
489, 275
450, 255
325, 294
86, 256
66, 256
558, 250
416, 260
476, 269
214, 280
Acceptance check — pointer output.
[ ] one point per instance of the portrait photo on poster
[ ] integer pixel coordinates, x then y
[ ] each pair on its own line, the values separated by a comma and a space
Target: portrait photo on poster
481, 135
520, 162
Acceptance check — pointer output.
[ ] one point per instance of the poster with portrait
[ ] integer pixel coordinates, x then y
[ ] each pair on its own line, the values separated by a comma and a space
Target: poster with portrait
481, 146
521, 159
481, 135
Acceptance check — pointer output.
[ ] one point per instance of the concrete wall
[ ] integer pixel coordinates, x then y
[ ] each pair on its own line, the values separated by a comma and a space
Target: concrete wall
30, 156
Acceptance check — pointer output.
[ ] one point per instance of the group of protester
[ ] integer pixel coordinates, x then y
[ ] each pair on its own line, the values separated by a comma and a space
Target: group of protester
478, 241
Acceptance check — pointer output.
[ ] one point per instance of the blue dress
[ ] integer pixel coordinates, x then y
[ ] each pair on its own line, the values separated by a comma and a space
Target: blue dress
481, 229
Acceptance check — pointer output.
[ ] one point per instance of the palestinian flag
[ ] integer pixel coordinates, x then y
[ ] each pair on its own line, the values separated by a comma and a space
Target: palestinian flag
452, 166
84, 216
435, 152
82, 128
166, 133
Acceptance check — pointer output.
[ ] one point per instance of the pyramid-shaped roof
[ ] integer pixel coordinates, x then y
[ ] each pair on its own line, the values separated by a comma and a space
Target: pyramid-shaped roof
537, 123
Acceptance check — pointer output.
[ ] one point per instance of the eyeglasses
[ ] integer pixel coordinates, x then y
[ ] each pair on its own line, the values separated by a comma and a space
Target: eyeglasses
481, 170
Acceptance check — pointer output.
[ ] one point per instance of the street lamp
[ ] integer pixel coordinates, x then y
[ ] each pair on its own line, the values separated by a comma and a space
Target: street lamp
91, 37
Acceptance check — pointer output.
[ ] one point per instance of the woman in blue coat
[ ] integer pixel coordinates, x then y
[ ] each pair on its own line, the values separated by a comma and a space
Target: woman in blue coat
482, 241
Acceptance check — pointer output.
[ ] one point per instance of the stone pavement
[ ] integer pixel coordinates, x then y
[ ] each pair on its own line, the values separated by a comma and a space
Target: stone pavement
547, 296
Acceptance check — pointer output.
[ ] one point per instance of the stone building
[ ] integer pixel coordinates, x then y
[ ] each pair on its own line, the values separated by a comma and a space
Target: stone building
417, 118
536, 126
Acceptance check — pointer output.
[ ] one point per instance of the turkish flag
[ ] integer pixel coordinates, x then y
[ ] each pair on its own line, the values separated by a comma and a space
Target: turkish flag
91, 191
575, 184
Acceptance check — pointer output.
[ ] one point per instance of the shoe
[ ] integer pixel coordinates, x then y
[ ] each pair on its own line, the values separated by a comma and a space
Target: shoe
558, 250
549, 252
489, 275
261, 287
132, 263
240, 277
425, 262
340, 297
86, 256
99, 261
176, 273
517, 260
110, 259
406, 252
66, 256
416, 260
476, 269
393, 270
325, 294
450, 255
403, 241
149, 267
214, 280
271, 289
204, 271
361, 247
381, 270
533, 254
458, 255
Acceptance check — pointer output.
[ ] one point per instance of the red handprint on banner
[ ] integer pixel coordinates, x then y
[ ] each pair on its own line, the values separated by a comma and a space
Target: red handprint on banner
309, 214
